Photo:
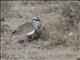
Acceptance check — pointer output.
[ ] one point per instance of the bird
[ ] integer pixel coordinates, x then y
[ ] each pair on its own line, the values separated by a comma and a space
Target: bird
34, 34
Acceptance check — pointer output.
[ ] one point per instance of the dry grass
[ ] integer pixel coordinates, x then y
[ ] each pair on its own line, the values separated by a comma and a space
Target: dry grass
60, 39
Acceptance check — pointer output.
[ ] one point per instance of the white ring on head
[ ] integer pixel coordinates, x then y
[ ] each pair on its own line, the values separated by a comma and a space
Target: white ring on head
36, 18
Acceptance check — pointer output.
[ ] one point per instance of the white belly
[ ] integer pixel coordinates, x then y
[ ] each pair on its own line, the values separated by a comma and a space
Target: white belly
30, 33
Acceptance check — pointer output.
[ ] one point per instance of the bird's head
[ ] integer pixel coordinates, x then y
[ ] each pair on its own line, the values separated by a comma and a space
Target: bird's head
36, 19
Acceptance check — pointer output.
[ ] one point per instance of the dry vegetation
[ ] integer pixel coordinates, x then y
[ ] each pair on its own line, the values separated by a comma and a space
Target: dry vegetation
60, 40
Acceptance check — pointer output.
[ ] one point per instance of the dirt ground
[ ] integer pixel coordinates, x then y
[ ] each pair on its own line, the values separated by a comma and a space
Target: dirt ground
20, 13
